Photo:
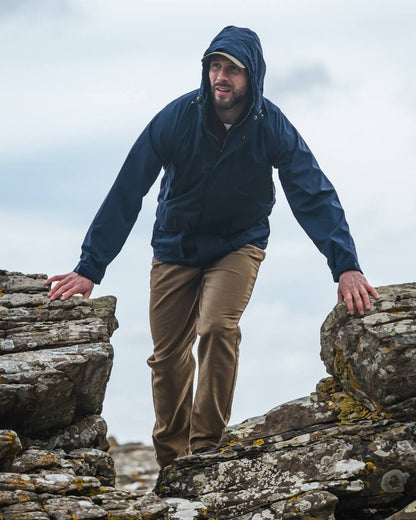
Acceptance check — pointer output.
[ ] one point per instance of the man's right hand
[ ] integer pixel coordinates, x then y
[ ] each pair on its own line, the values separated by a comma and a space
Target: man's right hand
68, 285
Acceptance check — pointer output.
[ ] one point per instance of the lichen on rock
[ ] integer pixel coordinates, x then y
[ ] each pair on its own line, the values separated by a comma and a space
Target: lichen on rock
345, 452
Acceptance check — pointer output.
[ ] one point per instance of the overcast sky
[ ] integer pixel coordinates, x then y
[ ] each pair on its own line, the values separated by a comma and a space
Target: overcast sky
80, 79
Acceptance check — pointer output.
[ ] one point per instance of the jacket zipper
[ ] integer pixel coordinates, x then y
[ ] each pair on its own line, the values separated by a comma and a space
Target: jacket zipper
228, 131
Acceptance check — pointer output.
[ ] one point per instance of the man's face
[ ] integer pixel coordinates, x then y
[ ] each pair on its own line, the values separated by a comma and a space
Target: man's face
229, 83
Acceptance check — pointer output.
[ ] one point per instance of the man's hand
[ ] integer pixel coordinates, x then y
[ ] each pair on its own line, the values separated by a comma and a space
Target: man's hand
353, 288
68, 285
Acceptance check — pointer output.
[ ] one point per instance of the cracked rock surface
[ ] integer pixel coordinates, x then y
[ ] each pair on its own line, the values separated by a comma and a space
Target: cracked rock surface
55, 361
345, 452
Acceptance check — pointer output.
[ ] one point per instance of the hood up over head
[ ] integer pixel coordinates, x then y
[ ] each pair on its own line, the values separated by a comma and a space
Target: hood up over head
243, 44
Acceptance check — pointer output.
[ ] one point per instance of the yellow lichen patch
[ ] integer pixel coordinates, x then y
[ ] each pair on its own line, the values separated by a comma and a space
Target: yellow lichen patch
10, 436
232, 442
328, 387
1, 293
146, 516
24, 498
123, 516
370, 467
258, 442
295, 496
344, 369
348, 409
79, 483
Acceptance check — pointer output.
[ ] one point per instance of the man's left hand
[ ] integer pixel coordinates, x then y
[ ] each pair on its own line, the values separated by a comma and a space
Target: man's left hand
354, 289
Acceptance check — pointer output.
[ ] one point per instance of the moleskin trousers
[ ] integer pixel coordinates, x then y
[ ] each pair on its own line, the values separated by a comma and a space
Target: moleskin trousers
186, 302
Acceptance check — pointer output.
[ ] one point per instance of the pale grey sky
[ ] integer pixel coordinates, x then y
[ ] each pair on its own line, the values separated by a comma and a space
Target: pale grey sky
81, 79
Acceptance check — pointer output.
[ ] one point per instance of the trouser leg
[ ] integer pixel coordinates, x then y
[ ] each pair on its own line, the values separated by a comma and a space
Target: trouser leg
225, 292
173, 314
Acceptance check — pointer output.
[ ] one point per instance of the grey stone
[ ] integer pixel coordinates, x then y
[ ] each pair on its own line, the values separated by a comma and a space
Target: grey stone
24, 511
96, 463
374, 357
135, 465
50, 388
10, 446
13, 282
345, 452
407, 513
70, 508
88, 432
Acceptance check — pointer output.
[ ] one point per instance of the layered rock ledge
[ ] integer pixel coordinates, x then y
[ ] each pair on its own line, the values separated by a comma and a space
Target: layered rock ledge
345, 452
55, 361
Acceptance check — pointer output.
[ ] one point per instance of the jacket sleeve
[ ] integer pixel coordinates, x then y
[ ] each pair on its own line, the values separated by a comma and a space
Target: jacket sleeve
118, 213
313, 200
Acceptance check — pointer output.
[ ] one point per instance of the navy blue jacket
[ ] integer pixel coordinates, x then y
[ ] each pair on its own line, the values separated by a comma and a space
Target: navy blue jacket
213, 200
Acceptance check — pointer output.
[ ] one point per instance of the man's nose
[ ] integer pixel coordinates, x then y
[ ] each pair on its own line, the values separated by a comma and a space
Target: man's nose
222, 75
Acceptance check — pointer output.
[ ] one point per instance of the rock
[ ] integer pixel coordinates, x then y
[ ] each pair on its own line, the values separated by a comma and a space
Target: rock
55, 357
347, 451
374, 357
17, 308
50, 388
408, 513
10, 446
89, 431
11, 282
68, 508
135, 465
55, 361
95, 462
127, 505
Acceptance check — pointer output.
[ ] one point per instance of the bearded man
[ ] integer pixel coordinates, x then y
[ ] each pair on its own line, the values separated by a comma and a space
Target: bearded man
218, 146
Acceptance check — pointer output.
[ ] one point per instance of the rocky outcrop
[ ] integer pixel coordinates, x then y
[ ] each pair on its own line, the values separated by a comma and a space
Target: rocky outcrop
55, 361
345, 452
55, 356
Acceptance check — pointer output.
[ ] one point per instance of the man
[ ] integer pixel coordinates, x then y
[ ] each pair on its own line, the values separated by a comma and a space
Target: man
218, 146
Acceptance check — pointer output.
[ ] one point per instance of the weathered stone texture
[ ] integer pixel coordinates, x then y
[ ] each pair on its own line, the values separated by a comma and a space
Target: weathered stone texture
55, 361
346, 452
55, 357
135, 465
407, 513
374, 357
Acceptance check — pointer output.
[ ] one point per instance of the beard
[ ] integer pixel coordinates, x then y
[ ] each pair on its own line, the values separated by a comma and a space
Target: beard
237, 98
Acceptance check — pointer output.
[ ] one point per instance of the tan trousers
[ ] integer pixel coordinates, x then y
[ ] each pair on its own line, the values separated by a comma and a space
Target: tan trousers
186, 302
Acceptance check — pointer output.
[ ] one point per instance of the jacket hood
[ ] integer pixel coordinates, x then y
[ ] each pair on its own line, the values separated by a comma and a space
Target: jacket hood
243, 44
